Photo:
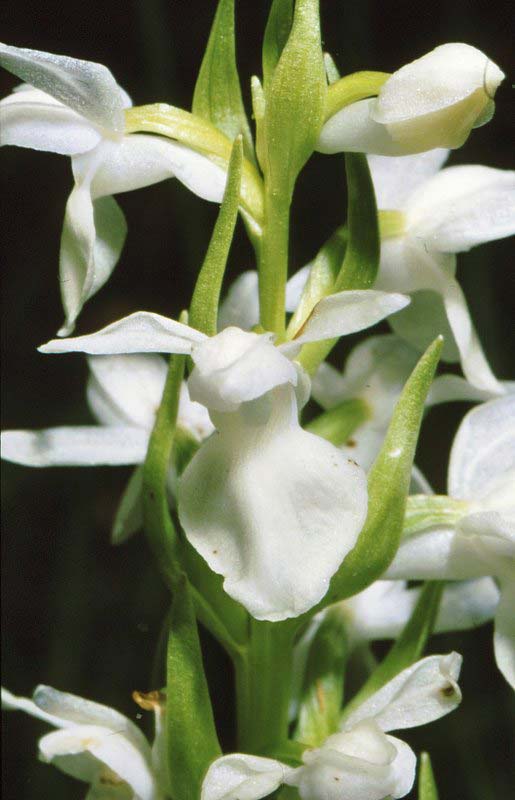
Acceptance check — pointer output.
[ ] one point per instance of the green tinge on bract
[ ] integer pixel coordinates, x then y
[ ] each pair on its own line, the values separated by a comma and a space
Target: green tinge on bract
217, 96
428, 511
192, 741
426, 780
388, 485
206, 296
361, 259
407, 649
352, 88
277, 32
205, 138
322, 690
340, 422
295, 100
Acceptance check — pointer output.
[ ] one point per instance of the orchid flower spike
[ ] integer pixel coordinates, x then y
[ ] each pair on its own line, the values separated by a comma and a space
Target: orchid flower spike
98, 745
262, 497
360, 761
429, 216
124, 393
76, 108
434, 101
482, 542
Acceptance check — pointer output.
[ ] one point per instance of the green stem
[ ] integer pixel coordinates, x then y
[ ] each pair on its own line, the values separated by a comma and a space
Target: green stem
273, 265
263, 686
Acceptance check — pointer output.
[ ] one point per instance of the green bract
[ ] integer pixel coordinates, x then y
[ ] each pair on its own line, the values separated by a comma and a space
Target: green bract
388, 485
217, 96
191, 748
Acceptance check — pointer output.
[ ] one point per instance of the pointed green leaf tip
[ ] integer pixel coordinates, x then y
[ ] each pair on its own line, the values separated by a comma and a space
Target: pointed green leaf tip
192, 742
426, 780
295, 100
217, 97
388, 486
276, 35
206, 296
408, 648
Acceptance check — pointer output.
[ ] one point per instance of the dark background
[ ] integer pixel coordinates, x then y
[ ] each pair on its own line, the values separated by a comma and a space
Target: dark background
85, 617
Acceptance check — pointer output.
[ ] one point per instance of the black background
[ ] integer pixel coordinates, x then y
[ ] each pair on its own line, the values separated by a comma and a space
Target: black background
85, 617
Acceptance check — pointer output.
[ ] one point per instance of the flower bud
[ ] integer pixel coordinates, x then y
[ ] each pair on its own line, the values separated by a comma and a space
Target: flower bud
434, 101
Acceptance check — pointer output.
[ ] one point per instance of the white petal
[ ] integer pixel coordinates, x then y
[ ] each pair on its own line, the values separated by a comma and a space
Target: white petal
436, 555
467, 604
33, 119
11, 702
329, 386
141, 160
84, 86
295, 286
82, 446
403, 768
362, 764
236, 366
463, 206
483, 449
129, 514
193, 417
79, 711
92, 240
449, 388
241, 305
242, 777
141, 332
395, 179
349, 312
69, 750
408, 265
126, 389
504, 635
263, 498
436, 100
352, 130
382, 610
419, 694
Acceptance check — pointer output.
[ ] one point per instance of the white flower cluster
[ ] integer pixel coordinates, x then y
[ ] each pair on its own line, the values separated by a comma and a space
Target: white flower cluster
270, 506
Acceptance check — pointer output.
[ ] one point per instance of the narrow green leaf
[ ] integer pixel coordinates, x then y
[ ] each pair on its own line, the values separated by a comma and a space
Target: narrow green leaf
340, 422
217, 97
192, 741
158, 523
322, 691
206, 296
388, 485
277, 31
361, 262
426, 780
408, 648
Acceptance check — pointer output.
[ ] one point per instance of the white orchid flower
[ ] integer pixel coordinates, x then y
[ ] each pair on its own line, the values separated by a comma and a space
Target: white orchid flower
434, 101
482, 474
375, 372
96, 744
76, 108
124, 393
361, 761
262, 497
437, 214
